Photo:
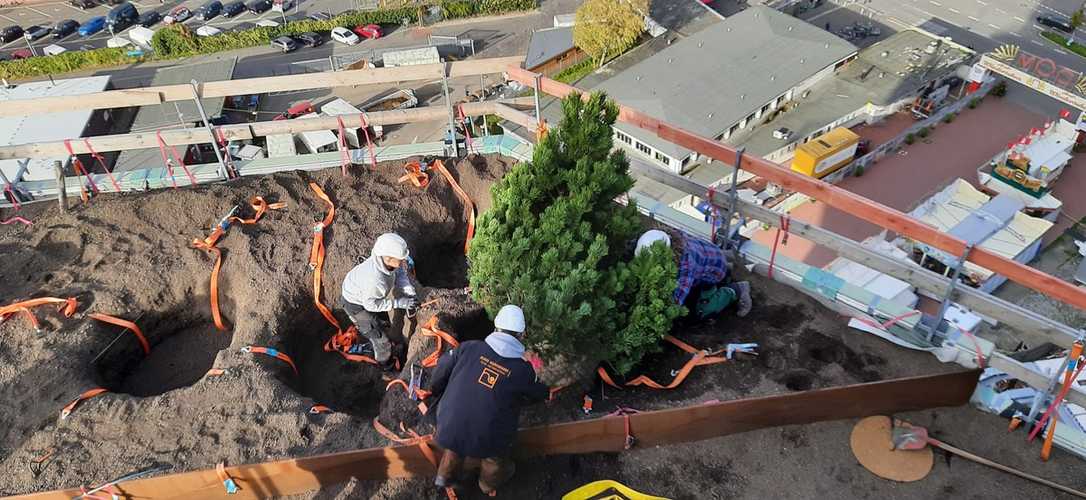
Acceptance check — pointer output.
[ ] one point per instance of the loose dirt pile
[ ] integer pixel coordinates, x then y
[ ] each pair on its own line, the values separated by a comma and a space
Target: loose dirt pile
129, 256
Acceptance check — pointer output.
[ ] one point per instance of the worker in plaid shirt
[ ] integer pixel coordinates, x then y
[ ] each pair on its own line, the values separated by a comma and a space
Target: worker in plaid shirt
703, 270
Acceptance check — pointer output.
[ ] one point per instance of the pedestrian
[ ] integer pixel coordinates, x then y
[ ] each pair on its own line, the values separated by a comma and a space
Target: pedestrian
382, 284
482, 385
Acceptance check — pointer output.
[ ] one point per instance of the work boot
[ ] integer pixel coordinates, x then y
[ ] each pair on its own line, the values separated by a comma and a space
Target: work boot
743, 289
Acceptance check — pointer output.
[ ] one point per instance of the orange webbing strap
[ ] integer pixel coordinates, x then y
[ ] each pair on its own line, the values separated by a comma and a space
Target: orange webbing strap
260, 206
413, 173
700, 358
464, 123
227, 481
67, 308
318, 409
273, 352
101, 163
369, 143
127, 325
606, 378
342, 341
80, 171
440, 167
777, 239
625, 414
178, 158
316, 255
108, 492
345, 153
430, 329
420, 393
541, 130
82, 397
392, 436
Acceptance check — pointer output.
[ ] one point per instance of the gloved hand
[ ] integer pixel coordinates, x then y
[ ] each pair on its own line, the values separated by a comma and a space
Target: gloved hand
408, 302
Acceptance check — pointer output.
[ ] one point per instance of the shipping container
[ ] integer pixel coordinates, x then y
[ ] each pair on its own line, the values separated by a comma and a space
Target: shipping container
826, 153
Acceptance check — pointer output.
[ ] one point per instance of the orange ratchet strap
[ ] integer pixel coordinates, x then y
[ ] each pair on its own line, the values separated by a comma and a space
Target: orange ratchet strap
413, 173
440, 167
700, 358
68, 408
270, 351
67, 308
342, 340
260, 206
430, 329
127, 325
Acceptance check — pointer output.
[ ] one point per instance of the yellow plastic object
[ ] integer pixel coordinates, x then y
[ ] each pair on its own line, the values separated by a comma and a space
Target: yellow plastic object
607, 490
826, 153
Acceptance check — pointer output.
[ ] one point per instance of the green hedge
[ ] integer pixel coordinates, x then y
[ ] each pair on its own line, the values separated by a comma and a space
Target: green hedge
67, 61
179, 40
1062, 41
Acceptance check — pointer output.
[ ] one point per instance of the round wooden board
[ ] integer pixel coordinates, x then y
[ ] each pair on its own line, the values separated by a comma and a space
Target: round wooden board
873, 447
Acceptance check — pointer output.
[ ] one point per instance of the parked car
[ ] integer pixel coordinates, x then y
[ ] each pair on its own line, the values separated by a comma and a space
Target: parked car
1055, 22
64, 28
299, 109
207, 30
259, 6
369, 31
243, 26
233, 8
37, 32
149, 19
82, 4
209, 11
22, 54
345, 36
282, 5
285, 43
320, 16
121, 17
267, 23
114, 2
11, 33
177, 15
92, 26
310, 39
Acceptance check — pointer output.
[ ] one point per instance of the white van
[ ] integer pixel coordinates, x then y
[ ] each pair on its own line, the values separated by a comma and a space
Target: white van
53, 50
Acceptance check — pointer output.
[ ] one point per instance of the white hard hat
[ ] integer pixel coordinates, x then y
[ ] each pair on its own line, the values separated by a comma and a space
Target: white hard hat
510, 318
651, 236
390, 245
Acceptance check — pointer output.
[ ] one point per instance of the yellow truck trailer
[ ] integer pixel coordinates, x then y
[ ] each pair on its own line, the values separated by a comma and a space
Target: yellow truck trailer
826, 153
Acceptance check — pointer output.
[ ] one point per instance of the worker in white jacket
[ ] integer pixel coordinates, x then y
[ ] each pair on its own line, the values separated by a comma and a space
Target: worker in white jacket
382, 284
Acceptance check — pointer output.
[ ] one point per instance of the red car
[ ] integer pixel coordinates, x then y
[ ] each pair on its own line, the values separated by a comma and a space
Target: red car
22, 54
370, 31
302, 108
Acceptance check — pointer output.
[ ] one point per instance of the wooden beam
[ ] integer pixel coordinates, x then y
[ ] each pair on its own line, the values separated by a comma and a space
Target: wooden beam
841, 199
121, 142
516, 116
1016, 369
607, 434
1013, 315
148, 96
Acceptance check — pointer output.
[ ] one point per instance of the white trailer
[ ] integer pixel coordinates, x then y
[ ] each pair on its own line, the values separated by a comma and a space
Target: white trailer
142, 36
280, 146
411, 57
319, 141
338, 106
400, 99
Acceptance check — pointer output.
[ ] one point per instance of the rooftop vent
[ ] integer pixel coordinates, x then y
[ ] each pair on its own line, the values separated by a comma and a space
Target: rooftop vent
710, 115
742, 96
669, 40
670, 59
700, 44
789, 28
638, 78
827, 45
802, 60
772, 77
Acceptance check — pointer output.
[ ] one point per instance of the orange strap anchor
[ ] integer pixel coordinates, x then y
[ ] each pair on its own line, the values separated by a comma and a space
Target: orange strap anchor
413, 173
273, 352
260, 206
68, 408
67, 308
80, 170
227, 481
127, 325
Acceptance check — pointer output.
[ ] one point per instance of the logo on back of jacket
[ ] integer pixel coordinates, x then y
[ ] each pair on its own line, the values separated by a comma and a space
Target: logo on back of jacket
492, 372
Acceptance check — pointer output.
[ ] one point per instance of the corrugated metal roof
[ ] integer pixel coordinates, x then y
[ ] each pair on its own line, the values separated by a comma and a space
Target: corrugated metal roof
546, 44
719, 75
44, 127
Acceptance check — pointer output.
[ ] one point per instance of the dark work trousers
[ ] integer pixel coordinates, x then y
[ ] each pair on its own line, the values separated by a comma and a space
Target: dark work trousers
382, 329
493, 471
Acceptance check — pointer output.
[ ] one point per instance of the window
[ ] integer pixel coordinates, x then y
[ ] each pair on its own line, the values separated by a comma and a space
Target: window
748, 120
765, 108
663, 158
623, 137
686, 161
734, 129
642, 148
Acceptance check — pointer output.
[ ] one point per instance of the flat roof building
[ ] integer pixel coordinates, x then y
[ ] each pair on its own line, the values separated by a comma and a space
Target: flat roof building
47, 127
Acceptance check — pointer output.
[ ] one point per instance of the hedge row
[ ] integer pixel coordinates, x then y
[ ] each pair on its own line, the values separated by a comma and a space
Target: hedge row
172, 42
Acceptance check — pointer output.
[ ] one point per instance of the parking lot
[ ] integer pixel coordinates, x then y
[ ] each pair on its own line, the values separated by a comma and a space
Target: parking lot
49, 14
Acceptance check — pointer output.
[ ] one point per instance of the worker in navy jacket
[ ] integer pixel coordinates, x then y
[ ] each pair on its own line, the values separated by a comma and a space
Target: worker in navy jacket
481, 386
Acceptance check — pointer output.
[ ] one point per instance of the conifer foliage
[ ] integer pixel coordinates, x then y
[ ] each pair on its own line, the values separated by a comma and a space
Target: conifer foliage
554, 242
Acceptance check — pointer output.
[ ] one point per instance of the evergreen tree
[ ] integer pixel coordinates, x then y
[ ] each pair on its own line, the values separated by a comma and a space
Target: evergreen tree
554, 238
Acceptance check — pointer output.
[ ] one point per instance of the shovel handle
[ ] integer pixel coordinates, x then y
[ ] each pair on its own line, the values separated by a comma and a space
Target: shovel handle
984, 461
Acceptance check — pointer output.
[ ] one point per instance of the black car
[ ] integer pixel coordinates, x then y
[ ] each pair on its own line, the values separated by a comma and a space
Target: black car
209, 10
259, 6
64, 28
37, 32
83, 4
1055, 22
11, 33
320, 16
310, 39
233, 8
115, 2
149, 19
